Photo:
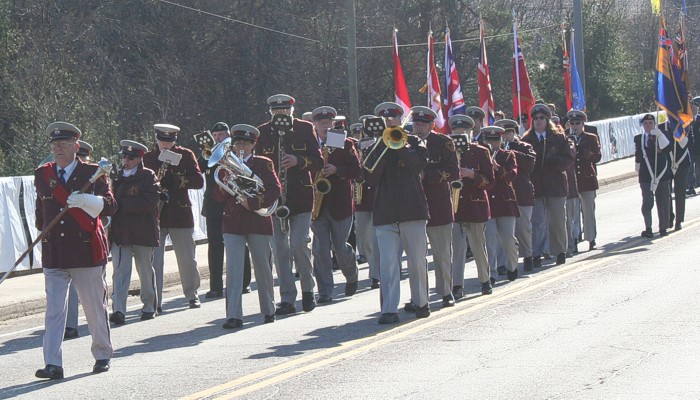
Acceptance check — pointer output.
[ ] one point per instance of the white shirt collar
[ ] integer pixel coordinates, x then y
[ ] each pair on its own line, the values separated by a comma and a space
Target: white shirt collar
129, 172
69, 169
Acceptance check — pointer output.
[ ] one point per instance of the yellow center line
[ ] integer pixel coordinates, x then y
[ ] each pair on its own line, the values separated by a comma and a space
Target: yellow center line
307, 363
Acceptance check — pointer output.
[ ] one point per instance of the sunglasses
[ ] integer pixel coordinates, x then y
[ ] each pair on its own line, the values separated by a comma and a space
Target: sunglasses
539, 118
128, 157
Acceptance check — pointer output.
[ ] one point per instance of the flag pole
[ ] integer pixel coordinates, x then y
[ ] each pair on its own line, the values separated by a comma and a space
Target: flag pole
516, 61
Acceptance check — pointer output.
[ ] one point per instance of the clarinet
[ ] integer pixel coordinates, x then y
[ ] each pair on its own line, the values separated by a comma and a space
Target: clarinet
282, 211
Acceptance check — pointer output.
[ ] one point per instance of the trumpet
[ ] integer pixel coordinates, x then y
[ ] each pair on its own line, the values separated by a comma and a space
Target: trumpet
393, 138
321, 185
240, 182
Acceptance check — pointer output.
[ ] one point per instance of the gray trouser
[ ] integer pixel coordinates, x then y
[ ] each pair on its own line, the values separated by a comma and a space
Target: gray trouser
549, 222
184, 247
500, 238
663, 203
573, 222
293, 244
329, 231
523, 231
121, 276
72, 319
590, 232
260, 256
365, 234
440, 238
391, 237
474, 232
91, 286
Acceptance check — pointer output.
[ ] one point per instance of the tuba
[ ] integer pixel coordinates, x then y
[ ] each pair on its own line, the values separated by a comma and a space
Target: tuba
240, 182
392, 138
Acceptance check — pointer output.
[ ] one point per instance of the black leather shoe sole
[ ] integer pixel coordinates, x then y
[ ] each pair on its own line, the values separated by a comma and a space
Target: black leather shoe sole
145, 316
213, 294
389, 318
527, 264
512, 275
457, 292
194, 303
537, 262
285, 309
233, 323
70, 333
269, 319
117, 318
324, 299
423, 312
647, 234
410, 307
448, 301
308, 301
486, 288
561, 258
350, 288
50, 372
100, 366
375, 284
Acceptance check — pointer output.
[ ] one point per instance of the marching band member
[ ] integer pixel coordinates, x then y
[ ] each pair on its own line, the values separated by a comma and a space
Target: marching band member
300, 157
357, 132
176, 218
477, 115
333, 223
399, 216
573, 207
71, 332
134, 231
500, 229
554, 156
525, 157
76, 250
242, 227
476, 171
441, 170
680, 165
587, 155
651, 155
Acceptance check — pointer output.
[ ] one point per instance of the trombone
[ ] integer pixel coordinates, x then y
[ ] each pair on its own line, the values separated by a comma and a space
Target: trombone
393, 138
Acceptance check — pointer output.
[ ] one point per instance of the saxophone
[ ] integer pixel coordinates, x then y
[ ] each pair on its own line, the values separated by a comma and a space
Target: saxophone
321, 185
357, 194
456, 185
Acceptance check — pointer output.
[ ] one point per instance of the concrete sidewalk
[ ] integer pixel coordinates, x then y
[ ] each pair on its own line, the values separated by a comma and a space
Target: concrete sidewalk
24, 295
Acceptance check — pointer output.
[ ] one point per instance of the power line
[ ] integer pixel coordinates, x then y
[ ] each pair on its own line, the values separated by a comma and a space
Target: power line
238, 21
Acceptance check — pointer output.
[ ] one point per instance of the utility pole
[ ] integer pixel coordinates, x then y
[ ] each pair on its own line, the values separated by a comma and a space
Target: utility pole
578, 39
352, 62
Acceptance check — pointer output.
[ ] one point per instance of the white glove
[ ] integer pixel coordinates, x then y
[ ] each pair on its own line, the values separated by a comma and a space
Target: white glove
656, 132
90, 203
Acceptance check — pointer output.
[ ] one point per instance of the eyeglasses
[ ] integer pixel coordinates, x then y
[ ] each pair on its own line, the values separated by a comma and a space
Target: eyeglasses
576, 123
61, 144
128, 157
539, 117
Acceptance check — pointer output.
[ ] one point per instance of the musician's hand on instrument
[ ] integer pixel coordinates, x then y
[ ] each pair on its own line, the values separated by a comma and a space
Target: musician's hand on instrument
245, 204
164, 197
329, 169
466, 173
90, 203
289, 161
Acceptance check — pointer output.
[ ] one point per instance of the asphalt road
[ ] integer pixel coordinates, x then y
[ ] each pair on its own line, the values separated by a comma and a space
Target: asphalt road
618, 322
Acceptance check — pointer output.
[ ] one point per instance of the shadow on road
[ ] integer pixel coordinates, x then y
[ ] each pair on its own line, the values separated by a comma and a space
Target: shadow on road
31, 341
33, 386
174, 340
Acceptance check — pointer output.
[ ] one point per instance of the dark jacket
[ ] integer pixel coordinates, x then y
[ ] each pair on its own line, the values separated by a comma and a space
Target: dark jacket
587, 155
302, 143
473, 198
136, 221
178, 180
68, 245
399, 195
554, 156
211, 209
442, 169
659, 162
502, 200
525, 156
340, 198
367, 201
239, 221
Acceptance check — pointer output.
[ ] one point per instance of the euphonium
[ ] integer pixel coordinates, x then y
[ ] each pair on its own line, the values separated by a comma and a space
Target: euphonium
321, 185
240, 181
394, 138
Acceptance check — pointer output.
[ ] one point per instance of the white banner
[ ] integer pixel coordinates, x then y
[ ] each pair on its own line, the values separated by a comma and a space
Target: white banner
617, 135
13, 242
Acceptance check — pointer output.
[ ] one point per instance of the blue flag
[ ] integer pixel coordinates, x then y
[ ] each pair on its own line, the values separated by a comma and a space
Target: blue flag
577, 91
671, 93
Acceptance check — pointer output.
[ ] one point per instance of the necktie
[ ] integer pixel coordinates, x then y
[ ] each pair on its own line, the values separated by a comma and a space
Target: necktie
62, 176
541, 138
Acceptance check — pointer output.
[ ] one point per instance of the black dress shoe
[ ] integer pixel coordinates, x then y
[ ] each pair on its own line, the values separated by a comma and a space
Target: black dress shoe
388, 318
527, 264
457, 292
145, 316
194, 303
50, 372
537, 262
308, 301
285, 308
324, 299
70, 333
269, 319
561, 258
410, 307
448, 301
678, 226
663, 232
647, 233
213, 294
591, 245
469, 254
423, 312
486, 288
501, 270
100, 366
513, 275
350, 288
546, 256
361, 259
159, 310
375, 284
575, 249
493, 281
246, 290
117, 318
232, 323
